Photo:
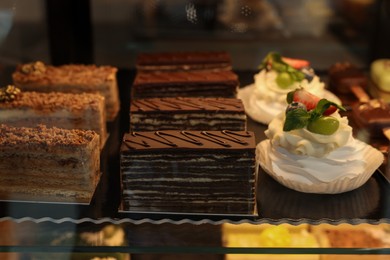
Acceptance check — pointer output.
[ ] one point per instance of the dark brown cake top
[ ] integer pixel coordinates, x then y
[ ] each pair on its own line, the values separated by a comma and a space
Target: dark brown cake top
187, 104
187, 77
345, 74
66, 74
55, 101
42, 136
374, 111
182, 58
194, 140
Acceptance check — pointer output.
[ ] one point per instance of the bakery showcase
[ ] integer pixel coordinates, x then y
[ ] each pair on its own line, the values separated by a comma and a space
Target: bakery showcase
202, 132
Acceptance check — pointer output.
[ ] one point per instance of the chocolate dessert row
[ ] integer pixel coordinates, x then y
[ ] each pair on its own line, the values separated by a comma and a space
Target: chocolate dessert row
188, 150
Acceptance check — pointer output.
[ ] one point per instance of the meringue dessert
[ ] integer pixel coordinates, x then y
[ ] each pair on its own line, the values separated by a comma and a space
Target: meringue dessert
310, 148
265, 98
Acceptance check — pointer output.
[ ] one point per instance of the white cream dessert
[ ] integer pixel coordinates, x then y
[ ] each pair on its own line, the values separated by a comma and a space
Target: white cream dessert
278, 75
318, 156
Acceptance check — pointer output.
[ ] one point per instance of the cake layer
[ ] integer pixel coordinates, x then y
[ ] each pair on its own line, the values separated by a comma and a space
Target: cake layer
221, 141
373, 116
342, 76
84, 111
183, 61
189, 171
72, 78
187, 113
31, 162
185, 84
44, 194
39, 162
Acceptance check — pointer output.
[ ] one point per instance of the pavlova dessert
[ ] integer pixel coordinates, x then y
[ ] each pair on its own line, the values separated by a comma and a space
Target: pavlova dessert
310, 148
265, 98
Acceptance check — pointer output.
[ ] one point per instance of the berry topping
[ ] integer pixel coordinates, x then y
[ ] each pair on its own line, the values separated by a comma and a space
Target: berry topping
296, 63
310, 100
313, 113
295, 105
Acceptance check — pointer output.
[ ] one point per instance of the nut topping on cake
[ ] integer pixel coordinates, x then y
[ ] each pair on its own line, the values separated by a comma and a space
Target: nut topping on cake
36, 68
9, 93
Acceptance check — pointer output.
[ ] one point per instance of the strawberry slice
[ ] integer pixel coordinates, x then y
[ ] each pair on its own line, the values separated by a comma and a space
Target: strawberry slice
296, 63
308, 99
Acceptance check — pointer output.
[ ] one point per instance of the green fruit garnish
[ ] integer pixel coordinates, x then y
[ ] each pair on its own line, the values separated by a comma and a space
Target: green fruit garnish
325, 125
314, 116
284, 80
287, 75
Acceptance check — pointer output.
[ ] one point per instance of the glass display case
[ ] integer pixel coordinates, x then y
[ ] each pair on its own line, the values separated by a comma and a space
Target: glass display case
287, 222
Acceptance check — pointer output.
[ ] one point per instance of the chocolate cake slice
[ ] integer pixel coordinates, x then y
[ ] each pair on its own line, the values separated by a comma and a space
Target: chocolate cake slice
372, 116
185, 84
189, 171
48, 164
343, 75
187, 114
183, 61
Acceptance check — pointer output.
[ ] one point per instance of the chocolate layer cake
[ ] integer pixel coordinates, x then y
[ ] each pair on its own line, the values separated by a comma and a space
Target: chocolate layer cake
71, 79
183, 61
189, 171
187, 114
373, 116
84, 111
344, 75
185, 84
48, 164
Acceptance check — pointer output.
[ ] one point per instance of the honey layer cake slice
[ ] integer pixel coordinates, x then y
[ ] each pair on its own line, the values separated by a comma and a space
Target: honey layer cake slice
189, 171
72, 78
41, 154
187, 114
84, 111
185, 84
183, 61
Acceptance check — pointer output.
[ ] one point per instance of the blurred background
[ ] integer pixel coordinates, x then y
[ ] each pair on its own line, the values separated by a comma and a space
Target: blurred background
114, 31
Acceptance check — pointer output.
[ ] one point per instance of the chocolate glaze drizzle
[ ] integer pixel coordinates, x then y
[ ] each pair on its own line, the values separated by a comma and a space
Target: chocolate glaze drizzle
185, 103
168, 138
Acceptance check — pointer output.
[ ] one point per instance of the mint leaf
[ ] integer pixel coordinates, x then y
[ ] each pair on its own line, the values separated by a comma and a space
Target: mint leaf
290, 95
324, 104
272, 58
296, 119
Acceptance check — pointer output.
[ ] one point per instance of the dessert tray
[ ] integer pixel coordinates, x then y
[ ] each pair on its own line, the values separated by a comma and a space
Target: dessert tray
275, 203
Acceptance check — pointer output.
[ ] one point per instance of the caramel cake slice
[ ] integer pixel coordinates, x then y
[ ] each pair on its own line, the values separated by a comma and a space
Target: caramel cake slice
183, 61
187, 114
84, 111
73, 78
185, 84
189, 171
48, 164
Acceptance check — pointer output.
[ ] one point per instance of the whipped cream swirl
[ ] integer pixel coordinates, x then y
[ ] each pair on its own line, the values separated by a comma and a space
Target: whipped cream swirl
315, 163
303, 142
268, 90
